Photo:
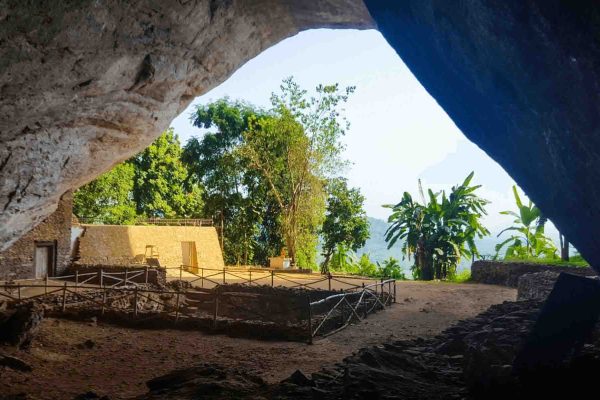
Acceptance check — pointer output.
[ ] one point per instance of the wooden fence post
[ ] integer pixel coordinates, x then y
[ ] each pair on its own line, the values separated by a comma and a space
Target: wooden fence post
343, 312
394, 291
146, 276
135, 302
46, 284
177, 308
64, 299
223, 276
19, 291
329, 281
310, 331
216, 310
180, 271
272, 274
250, 277
101, 277
202, 276
76, 279
103, 301
126, 276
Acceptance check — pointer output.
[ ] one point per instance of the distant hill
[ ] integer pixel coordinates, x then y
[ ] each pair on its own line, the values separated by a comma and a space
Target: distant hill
376, 246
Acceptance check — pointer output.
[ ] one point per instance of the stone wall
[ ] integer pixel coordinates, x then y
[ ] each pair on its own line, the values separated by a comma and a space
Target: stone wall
120, 244
537, 286
508, 273
18, 260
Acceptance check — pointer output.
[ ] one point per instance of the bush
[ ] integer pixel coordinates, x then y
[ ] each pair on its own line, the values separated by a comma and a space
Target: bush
461, 277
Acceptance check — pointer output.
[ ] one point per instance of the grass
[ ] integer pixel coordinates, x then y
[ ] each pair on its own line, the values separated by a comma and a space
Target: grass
574, 261
461, 277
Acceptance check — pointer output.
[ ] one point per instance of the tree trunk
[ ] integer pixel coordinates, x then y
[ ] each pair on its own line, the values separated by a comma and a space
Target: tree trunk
564, 247
425, 261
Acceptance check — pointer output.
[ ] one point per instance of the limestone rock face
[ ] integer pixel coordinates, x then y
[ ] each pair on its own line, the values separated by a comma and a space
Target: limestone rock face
521, 79
86, 84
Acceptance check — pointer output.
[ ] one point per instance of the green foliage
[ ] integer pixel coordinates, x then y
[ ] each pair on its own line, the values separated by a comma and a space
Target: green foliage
461, 277
529, 240
233, 192
342, 260
345, 222
391, 269
294, 149
109, 197
154, 183
161, 186
438, 231
574, 261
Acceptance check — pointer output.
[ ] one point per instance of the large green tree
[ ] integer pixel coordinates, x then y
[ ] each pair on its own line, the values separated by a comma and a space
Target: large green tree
345, 221
295, 149
438, 231
162, 187
234, 194
108, 198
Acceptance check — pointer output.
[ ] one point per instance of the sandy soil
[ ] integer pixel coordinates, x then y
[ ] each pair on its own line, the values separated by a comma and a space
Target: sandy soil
122, 360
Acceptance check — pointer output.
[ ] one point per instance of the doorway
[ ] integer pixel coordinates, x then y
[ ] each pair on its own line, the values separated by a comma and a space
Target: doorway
189, 257
45, 259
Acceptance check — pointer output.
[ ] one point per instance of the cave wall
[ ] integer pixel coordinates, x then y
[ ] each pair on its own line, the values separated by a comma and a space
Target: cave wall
521, 79
85, 84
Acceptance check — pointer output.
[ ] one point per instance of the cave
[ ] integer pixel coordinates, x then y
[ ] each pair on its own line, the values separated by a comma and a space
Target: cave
85, 85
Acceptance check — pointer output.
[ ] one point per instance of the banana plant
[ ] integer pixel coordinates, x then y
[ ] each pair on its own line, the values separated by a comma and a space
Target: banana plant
439, 231
528, 238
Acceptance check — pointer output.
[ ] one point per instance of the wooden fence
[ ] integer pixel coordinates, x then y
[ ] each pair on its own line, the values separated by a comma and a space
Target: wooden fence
344, 308
222, 276
322, 317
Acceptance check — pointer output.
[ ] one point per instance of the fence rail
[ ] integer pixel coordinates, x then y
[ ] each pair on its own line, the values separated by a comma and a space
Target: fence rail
322, 317
221, 276
152, 221
340, 310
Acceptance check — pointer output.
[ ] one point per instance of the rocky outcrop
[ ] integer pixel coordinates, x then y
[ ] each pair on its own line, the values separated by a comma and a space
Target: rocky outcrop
521, 79
507, 273
86, 84
19, 325
471, 360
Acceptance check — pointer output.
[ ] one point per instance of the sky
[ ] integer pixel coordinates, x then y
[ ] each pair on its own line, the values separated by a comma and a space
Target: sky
398, 132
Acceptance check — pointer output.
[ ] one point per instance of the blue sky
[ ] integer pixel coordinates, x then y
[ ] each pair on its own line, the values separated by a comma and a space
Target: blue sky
398, 132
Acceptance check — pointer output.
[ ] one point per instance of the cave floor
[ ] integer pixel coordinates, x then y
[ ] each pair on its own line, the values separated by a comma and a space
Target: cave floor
118, 361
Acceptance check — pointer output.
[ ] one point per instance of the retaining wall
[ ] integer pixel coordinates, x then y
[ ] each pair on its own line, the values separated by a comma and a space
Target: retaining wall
508, 273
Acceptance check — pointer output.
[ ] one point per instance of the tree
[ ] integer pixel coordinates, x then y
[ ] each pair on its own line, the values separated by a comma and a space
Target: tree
345, 221
391, 269
295, 149
439, 231
233, 192
108, 198
161, 186
529, 240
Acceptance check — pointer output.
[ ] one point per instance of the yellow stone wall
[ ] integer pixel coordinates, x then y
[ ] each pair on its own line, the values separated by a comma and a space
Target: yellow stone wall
120, 244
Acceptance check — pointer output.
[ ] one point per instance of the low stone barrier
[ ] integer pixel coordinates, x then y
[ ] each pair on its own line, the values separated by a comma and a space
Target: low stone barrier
537, 286
508, 273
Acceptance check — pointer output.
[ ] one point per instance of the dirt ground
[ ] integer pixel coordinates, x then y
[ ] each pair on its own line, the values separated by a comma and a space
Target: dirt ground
118, 361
